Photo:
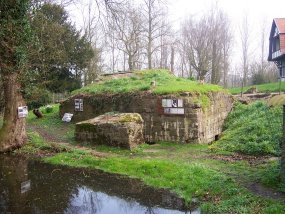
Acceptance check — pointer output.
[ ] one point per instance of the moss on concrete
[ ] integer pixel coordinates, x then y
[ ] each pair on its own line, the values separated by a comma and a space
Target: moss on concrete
134, 117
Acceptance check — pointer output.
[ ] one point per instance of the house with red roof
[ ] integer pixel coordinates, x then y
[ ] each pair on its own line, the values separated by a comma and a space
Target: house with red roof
277, 44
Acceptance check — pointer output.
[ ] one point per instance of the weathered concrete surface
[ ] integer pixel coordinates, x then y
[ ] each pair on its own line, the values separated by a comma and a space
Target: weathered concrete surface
197, 125
123, 130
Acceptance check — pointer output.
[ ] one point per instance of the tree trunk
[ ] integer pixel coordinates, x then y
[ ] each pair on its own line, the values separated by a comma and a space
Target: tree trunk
130, 62
13, 131
149, 45
149, 59
172, 60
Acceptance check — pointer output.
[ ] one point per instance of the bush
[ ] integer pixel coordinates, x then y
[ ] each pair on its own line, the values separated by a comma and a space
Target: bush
48, 109
252, 129
37, 97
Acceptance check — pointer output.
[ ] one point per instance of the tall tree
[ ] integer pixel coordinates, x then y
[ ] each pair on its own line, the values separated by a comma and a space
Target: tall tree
198, 43
155, 27
244, 35
128, 29
91, 27
14, 39
61, 55
221, 41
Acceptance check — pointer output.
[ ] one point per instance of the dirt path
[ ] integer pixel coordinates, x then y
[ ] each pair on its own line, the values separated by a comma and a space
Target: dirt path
46, 135
54, 138
256, 188
260, 190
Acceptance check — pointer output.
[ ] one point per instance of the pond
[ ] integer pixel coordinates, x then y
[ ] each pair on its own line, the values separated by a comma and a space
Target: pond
30, 186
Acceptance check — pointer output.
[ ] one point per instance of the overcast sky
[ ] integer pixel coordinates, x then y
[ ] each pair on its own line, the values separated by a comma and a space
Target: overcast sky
258, 11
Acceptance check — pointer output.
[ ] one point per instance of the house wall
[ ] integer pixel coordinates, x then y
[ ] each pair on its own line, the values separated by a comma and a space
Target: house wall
196, 125
282, 42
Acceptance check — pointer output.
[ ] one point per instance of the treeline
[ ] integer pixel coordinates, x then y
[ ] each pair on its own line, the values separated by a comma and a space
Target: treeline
139, 35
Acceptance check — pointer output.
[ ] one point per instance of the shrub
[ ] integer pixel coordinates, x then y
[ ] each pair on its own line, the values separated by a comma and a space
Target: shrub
252, 129
36, 97
49, 109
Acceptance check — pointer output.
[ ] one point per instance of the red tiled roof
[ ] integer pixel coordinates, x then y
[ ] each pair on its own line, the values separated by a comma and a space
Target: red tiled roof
280, 23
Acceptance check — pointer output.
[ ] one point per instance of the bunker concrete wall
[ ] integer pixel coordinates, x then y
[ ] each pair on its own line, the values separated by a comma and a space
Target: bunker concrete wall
196, 125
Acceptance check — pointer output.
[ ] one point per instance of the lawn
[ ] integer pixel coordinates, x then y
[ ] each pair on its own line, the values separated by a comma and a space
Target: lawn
218, 179
268, 87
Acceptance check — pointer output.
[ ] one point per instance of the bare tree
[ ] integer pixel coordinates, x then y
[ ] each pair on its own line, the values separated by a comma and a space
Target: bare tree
128, 29
222, 44
92, 25
217, 19
244, 35
198, 45
155, 27
227, 40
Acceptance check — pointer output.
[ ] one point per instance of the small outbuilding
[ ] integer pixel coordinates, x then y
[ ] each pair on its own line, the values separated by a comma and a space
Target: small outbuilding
277, 44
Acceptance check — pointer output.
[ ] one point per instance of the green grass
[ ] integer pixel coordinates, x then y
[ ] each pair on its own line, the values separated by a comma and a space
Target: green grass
52, 124
268, 87
191, 171
37, 145
253, 129
218, 192
166, 83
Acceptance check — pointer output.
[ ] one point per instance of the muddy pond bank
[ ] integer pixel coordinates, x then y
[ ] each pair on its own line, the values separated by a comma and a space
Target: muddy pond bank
30, 186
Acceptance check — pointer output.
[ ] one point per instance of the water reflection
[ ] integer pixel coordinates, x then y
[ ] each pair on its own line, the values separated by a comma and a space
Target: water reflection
63, 190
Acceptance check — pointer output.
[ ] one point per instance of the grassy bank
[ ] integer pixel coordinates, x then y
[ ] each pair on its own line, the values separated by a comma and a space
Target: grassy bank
165, 83
264, 88
254, 129
216, 178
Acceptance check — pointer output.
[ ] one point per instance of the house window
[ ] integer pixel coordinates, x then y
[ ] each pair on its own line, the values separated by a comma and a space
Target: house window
276, 33
276, 44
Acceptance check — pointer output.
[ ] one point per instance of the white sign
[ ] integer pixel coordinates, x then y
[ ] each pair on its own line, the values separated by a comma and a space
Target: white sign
174, 110
25, 186
23, 111
67, 117
78, 104
173, 106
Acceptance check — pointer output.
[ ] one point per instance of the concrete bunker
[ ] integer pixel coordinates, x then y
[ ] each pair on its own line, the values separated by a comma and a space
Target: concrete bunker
182, 117
123, 130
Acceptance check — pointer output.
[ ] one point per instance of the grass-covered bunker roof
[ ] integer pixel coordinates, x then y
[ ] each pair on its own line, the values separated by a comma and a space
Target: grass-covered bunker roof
165, 83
